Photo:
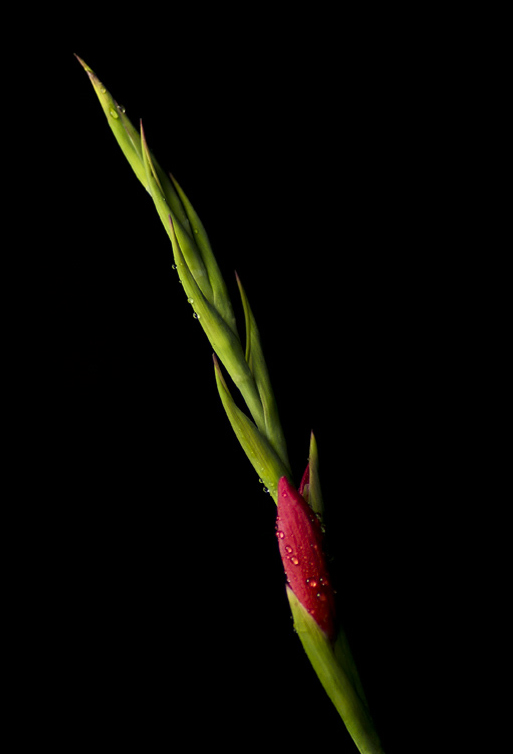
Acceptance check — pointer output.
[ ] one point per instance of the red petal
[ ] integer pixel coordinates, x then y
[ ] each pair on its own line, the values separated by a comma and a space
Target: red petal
305, 480
300, 541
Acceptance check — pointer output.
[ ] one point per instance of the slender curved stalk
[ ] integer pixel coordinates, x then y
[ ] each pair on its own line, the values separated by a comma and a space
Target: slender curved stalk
309, 591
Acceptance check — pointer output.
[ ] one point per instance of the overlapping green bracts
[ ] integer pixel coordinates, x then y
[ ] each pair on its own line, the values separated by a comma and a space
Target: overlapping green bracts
263, 457
255, 359
261, 436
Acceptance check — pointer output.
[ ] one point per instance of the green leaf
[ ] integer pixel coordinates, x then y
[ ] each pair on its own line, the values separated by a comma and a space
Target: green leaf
187, 246
221, 298
262, 456
255, 359
225, 343
314, 486
125, 133
129, 139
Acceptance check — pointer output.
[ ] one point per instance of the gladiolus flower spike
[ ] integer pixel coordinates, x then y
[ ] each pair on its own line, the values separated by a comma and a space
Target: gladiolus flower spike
299, 531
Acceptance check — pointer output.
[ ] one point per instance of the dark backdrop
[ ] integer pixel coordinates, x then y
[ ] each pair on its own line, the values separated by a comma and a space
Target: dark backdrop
160, 593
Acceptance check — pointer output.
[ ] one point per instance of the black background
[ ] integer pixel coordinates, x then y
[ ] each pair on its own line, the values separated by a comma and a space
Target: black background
159, 597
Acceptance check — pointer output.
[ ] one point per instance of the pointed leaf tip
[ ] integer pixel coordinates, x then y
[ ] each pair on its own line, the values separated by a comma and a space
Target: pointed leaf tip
82, 62
87, 68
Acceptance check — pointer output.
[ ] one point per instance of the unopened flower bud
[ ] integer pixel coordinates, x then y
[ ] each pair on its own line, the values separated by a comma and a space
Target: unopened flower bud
300, 540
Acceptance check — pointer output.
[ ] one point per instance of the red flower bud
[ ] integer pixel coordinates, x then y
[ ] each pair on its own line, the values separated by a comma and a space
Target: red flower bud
300, 541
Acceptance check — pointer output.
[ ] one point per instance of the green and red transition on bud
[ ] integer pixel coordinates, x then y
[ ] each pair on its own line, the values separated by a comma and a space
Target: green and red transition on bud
300, 539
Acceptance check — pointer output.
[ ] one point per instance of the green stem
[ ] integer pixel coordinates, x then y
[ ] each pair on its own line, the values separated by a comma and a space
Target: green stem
338, 684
